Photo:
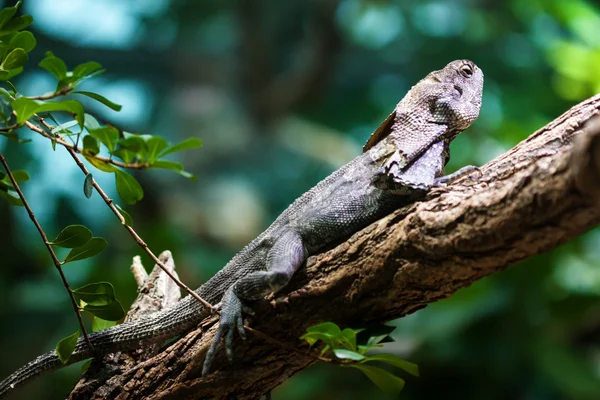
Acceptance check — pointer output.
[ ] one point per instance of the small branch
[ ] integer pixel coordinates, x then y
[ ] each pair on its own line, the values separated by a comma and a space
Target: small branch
50, 249
109, 202
53, 95
60, 141
9, 128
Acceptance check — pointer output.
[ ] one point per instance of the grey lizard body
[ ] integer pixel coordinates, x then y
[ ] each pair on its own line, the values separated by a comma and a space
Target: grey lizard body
403, 159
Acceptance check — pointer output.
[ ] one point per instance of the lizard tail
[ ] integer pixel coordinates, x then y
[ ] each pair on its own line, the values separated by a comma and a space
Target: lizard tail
127, 336
43, 364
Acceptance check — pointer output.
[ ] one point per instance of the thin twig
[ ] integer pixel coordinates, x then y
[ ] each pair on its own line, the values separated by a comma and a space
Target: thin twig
60, 141
55, 259
109, 202
9, 128
52, 95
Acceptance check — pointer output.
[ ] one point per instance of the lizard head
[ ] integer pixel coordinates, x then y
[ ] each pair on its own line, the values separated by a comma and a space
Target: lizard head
464, 101
449, 97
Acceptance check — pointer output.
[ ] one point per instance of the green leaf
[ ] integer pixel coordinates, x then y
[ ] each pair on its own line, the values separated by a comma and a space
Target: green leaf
170, 165
348, 355
86, 68
396, 361
69, 81
25, 108
310, 339
64, 128
96, 294
128, 187
14, 59
24, 40
328, 328
54, 65
363, 349
101, 99
71, 106
100, 164
86, 77
86, 365
385, 381
156, 145
91, 146
17, 24
9, 96
90, 122
12, 197
108, 135
349, 338
190, 143
6, 75
7, 13
99, 324
111, 312
126, 155
20, 175
134, 143
328, 332
374, 340
126, 216
88, 185
66, 346
73, 80
72, 236
313, 337
94, 246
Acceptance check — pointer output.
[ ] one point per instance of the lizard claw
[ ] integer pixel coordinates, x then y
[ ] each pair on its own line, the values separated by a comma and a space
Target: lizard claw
231, 318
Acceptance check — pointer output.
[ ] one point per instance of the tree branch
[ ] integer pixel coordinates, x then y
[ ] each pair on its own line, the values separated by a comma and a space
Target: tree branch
535, 197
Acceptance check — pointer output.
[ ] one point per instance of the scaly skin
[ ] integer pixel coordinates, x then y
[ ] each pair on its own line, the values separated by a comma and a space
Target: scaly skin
403, 159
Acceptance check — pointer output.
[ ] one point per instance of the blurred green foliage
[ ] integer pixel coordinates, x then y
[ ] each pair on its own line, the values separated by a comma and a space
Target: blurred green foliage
281, 94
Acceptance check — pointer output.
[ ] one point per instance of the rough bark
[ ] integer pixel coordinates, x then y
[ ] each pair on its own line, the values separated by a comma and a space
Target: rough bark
535, 197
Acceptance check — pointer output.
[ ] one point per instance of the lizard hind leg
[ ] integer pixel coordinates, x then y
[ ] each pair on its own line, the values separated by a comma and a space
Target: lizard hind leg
285, 257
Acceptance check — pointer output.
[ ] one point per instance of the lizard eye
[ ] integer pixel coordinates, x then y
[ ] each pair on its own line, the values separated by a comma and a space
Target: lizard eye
466, 71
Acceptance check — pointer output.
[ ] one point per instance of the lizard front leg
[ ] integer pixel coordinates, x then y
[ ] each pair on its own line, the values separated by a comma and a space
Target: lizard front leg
287, 254
423, 174
453, 177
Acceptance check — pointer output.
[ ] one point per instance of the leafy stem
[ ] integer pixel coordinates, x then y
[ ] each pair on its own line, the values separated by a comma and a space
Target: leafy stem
55, 259
110, 203
65, 90
58, 139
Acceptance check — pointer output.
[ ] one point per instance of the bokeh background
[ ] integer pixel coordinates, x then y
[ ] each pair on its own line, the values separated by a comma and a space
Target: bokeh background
282, 93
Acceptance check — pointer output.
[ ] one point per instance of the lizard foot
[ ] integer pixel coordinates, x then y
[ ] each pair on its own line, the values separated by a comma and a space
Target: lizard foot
231, 319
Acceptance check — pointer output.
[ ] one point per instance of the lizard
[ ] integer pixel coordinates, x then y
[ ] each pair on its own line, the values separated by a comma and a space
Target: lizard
403, 159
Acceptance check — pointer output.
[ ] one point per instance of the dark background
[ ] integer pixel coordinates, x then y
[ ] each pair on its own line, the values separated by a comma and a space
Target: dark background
282, 93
